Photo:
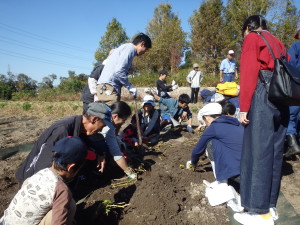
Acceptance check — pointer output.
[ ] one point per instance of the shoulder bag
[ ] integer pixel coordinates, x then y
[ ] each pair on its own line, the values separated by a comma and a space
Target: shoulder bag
284, 87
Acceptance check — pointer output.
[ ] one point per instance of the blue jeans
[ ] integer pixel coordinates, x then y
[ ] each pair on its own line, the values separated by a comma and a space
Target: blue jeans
262, 152
228, 77
294, 118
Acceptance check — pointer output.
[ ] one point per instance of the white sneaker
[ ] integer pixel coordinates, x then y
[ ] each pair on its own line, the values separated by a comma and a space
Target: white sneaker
235, 206
274, 213
252, 219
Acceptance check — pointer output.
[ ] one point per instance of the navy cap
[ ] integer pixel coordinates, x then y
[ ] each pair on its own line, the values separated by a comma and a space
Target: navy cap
72, 150
163, 72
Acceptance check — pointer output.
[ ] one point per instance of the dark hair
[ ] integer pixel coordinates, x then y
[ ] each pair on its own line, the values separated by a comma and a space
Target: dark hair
63, 166
121, 108
142, 37
227, 107
254, 22
184, 98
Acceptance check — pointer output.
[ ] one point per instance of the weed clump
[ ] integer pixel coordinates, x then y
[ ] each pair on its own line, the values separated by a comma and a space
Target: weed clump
26, 106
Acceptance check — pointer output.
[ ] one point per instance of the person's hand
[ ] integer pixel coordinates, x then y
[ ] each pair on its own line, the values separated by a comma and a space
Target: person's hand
101, 163
131, 174
189, 128
243, 118
136, 144
133, 91
173, 82
221, 80
184, 115
236, 77
175, 87
190, 166
156, 97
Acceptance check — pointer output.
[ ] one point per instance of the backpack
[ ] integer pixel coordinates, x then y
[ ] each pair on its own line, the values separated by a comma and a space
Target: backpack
228, 88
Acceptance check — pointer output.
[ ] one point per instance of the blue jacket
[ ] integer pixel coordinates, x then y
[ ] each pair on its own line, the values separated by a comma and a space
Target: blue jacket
226, 134
294, 52
172, 108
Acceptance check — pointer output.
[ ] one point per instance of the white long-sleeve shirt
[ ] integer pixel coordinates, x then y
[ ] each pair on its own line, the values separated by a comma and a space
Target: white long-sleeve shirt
195, 78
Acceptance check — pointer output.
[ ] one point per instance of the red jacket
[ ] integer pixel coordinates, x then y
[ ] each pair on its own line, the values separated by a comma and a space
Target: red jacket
255, 56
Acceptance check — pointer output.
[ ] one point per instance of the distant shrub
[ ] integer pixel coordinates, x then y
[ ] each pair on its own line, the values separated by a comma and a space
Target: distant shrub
24, 95
26, 106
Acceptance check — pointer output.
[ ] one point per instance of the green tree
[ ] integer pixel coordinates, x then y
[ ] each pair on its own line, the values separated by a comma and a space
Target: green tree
236, 12
25, 83
114, 36
207, 35
168, 40
285, 28
71, 84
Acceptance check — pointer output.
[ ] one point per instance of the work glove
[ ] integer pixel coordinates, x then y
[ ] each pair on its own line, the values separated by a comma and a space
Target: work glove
173, 82
190, 166
189, 128
131, 174
147, 90
175, 87
133, 91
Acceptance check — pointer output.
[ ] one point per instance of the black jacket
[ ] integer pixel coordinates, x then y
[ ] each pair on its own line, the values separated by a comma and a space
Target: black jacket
40, 156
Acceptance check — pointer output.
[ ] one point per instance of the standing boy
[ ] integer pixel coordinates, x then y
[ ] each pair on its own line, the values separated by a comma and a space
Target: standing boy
194, 78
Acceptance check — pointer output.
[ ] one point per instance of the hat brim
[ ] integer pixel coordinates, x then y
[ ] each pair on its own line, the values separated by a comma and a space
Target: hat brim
152, 103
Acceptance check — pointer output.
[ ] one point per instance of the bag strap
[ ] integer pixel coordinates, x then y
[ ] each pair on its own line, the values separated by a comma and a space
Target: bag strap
194, 75
267, 43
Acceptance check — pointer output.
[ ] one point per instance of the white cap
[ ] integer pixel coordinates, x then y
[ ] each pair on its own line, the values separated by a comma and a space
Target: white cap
209, 109
195, 65
217, 97
148, 99
230, 52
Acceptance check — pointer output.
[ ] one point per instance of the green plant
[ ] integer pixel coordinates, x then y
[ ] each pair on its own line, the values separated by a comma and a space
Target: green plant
75, 107
26, 106
49, 107
2, 105
107, 206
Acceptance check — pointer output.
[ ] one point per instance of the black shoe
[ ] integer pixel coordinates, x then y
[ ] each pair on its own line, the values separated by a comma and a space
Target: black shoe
292, 146
163, 124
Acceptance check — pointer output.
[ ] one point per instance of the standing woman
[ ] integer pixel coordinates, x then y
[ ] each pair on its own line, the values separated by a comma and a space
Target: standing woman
265, 126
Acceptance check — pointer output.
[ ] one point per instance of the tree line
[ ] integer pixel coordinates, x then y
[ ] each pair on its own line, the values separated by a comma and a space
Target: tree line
215, 28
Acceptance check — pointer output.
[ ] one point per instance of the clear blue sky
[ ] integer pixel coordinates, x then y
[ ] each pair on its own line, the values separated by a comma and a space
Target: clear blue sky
41, 37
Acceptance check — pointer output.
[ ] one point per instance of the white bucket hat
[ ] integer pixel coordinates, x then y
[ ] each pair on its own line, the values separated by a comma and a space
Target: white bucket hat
209, 109
148, 99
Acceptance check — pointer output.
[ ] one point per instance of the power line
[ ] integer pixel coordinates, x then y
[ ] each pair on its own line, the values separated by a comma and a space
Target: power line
41, 38
36, 59
33, 47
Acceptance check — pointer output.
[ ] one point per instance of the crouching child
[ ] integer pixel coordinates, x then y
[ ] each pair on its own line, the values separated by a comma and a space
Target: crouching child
175, 111
222, 141
150, 121
44, 198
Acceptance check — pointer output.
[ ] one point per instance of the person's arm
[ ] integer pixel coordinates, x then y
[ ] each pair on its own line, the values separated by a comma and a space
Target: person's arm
163, 87
201, 77
198, 150
188, 77
123, 65
152, 123
294, 54
249, 68
221, 71
64, 207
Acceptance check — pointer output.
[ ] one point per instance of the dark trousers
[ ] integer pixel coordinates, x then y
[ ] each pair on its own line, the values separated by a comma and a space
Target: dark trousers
194, 95
262, 152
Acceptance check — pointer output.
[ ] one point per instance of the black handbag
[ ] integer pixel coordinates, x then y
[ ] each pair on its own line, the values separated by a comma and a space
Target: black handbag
284, 87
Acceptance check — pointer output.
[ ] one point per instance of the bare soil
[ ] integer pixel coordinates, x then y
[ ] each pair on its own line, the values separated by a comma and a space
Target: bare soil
166, 193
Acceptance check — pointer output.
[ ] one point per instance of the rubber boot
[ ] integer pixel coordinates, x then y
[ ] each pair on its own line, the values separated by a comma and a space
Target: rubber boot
292, 146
